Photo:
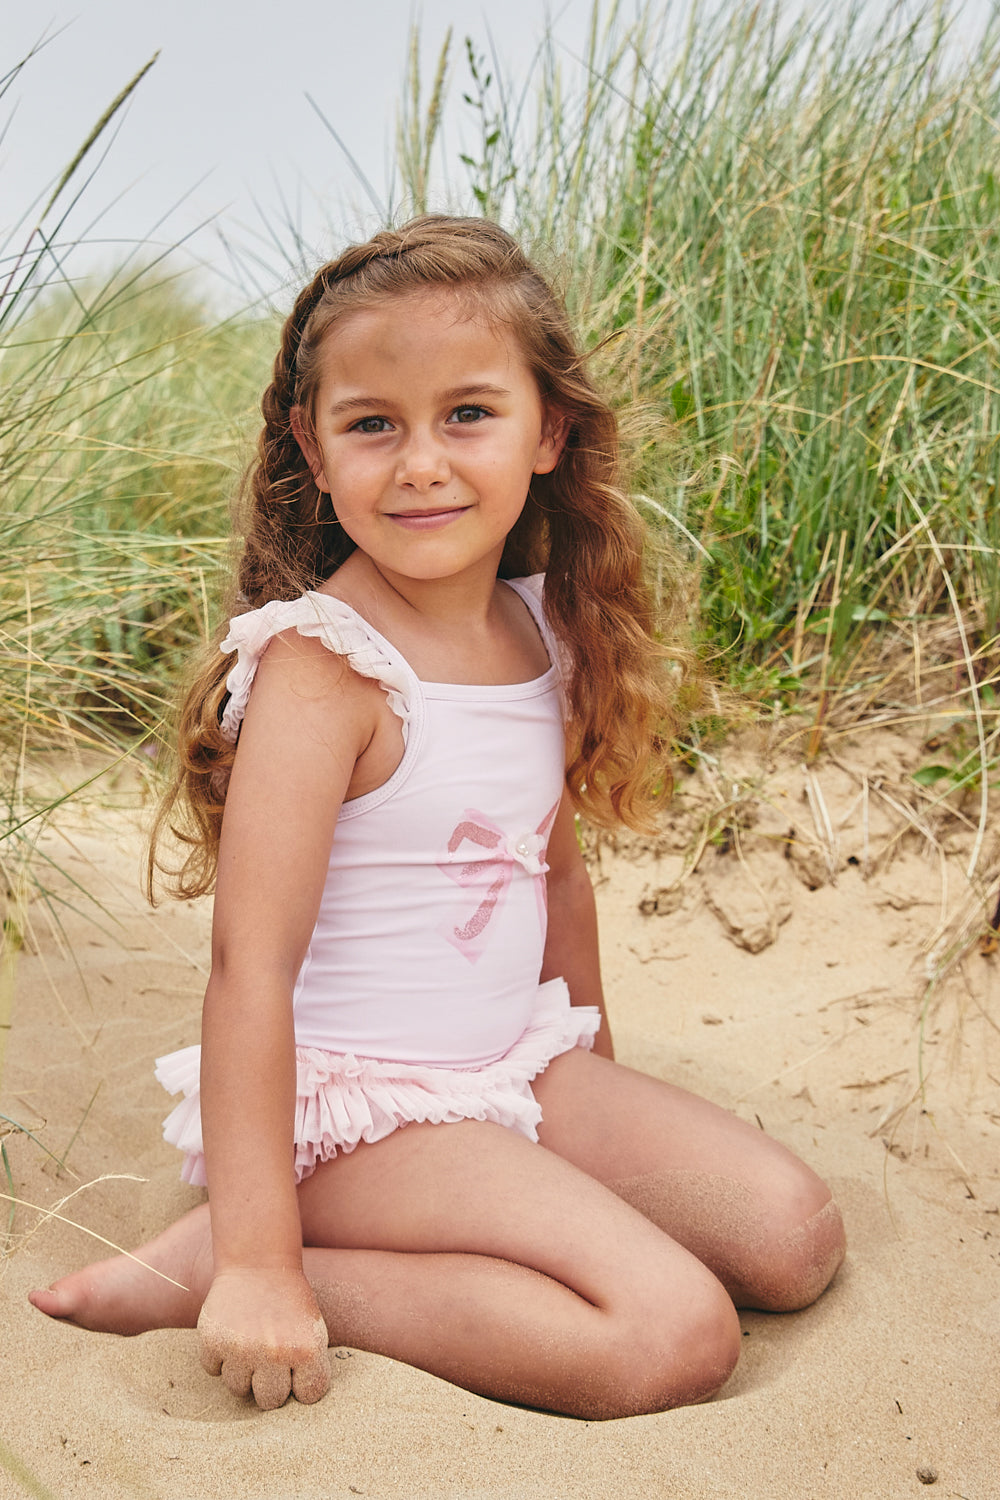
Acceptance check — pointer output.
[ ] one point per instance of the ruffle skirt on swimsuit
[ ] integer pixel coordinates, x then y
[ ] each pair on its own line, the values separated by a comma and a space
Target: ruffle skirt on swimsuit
343, 1099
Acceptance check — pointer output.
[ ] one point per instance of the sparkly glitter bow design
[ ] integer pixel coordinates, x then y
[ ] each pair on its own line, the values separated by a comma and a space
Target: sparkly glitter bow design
490, 877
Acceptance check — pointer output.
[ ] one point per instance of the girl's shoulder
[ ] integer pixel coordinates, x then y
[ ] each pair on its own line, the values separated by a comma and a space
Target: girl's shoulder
331, 622
532, 590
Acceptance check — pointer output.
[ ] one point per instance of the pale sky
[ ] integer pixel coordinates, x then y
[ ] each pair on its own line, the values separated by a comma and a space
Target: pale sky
222, 124
220, 141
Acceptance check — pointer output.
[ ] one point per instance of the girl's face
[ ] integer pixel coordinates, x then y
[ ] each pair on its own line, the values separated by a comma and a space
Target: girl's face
428, 426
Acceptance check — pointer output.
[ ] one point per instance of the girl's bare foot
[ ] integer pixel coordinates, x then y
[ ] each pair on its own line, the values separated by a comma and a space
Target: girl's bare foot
121, 1296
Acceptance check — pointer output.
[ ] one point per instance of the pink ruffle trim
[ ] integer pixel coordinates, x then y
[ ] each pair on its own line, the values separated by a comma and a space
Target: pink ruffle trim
343, 1099
340, 629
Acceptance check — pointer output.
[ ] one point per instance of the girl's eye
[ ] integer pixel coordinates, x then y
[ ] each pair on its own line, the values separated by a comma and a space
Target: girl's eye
371, 425
468, 414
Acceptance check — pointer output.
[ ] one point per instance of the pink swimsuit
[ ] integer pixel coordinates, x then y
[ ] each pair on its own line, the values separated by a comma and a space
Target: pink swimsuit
418, 998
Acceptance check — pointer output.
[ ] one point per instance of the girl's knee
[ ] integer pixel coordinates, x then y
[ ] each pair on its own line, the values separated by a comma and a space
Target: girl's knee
703, 1357
774, 1241
666, 1359
813, 1253
798, 1260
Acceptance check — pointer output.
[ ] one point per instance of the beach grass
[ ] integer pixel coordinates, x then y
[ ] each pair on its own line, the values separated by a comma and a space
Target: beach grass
789, 226
788, 222
793, 227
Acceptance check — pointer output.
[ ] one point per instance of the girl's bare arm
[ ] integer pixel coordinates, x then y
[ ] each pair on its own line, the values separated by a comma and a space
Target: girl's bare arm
571, 949
308, 721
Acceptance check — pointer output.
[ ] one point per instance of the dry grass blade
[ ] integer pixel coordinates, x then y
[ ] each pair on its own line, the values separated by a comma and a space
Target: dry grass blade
53, 1213
97, 132
825, 833
23, 1476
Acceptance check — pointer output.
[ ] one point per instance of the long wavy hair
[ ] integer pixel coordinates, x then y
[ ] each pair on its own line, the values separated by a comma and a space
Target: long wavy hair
577, 526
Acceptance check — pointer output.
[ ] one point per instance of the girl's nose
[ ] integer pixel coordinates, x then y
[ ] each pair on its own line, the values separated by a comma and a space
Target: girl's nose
422, 463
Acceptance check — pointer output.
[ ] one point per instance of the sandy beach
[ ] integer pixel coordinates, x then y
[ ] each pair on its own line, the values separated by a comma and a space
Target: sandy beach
773, 951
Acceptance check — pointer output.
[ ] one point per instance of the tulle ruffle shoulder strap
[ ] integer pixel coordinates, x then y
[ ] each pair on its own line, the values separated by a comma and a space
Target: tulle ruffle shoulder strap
339, 628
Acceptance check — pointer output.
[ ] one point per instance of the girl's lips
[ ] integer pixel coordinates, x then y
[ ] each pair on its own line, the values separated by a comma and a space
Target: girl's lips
426, 520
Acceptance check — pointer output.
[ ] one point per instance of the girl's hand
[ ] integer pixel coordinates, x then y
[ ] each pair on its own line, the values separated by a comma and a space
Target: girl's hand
262, 1331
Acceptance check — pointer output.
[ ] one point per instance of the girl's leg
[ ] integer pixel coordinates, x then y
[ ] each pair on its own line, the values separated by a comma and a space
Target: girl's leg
505, 1270
468, 1251
743, 1204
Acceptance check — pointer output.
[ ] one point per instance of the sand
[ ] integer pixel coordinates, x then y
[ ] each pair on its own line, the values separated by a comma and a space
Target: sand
851, 887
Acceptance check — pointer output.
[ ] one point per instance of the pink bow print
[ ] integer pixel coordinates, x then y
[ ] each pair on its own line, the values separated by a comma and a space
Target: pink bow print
492, 875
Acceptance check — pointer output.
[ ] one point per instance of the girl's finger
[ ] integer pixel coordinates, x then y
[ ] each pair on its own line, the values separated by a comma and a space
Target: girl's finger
271, 1385
311, 1379
237, 1374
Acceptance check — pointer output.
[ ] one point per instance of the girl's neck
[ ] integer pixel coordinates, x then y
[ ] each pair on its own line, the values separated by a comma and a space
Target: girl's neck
466, 629
464, 602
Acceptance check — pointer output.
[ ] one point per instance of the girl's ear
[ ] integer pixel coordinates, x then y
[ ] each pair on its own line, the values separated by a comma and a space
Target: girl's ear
310, 448
555, 431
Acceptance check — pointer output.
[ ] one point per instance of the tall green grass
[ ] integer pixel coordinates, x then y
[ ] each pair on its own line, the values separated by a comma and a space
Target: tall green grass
793, 226
122, 437
122, 431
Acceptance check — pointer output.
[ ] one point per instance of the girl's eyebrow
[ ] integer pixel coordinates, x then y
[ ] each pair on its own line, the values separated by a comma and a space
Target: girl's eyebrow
464, 392
354, 403
456, 394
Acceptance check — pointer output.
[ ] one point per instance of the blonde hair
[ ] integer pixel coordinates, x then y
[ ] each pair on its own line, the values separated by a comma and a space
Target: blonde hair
577, 527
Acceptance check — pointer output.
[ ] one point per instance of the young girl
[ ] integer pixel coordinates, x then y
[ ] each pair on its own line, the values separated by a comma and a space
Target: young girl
408, 1143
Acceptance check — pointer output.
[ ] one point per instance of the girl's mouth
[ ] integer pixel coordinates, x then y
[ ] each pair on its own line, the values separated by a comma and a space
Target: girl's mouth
426, 520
